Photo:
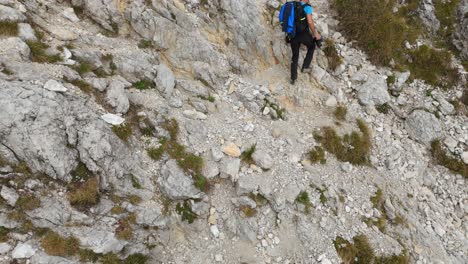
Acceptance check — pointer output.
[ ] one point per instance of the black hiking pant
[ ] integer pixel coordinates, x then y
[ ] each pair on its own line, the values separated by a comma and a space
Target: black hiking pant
308, 40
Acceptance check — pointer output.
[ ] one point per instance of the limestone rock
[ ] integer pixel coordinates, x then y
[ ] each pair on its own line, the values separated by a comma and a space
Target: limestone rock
26, 32
99, 241
4, 248
423, 127
229, 168
175, 184
117, 98
232, 150
9, 195
262, 159
149, 214
113, 119
11, 14
23, 250
165, 80
54, 86
374, 91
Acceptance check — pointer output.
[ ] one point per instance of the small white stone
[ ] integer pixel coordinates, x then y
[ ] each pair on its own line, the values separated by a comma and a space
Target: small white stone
23, 250
219, 258
214, 230
276, 240
465, 157
331, 101
54, 86
264, 243
112, 119
9, 195
4, 248
347, 209
266, 111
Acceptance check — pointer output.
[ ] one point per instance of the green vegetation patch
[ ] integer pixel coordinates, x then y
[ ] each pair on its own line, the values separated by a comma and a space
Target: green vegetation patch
185, 210
361, 252
354, 148
246, 155
144, 85
207, 98
441, 157
145, 44
317, 155
382, 34
39, 54
303, 198
123, 131
383, 108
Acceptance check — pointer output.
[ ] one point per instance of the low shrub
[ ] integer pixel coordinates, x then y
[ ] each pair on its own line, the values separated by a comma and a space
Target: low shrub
144, 85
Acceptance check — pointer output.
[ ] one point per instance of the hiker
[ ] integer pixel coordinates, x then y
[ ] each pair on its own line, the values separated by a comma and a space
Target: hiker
303, 32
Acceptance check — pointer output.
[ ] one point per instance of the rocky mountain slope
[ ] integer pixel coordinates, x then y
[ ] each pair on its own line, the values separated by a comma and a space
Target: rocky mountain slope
166, 131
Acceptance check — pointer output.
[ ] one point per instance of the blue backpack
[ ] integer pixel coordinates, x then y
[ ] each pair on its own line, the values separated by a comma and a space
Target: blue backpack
292, 18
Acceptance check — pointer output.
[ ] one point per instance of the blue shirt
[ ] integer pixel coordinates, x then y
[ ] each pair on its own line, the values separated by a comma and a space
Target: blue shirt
308, 9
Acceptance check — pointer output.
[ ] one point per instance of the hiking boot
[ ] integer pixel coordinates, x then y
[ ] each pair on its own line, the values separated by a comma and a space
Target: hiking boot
292, 81
307, 70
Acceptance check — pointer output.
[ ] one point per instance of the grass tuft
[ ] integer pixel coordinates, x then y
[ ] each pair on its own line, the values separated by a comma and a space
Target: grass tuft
209, 98
334, 60
124, 230
3, 234
123, 131
83, 85
383, 108
303, 198
135, 183
340, 113
27, 202
361, 252
56, 245
248, 211
186, 212
137, 258
155, 153
84, 195
81, 173
201, 183
433, 66
391, 80
134, 199
38, 52
353, 148
83, 67
9, 29
144, 85
87, 255
145, 44
110, 258
441, 158
246, 155
317, 155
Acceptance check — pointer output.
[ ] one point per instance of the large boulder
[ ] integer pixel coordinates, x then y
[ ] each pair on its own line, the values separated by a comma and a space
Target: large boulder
99, 241
423, 127
374, 91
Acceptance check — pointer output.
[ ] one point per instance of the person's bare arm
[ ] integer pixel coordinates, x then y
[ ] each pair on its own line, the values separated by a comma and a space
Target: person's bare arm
312, 28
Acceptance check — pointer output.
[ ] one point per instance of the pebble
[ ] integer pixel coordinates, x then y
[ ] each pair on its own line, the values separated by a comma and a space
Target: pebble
232, 150
214, 230
219, 258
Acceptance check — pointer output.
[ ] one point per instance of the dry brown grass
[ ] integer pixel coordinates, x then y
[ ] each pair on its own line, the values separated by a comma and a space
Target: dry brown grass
354, 148
340, 113
9, 29
84, 195
56, 245
442, 158
334, 60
